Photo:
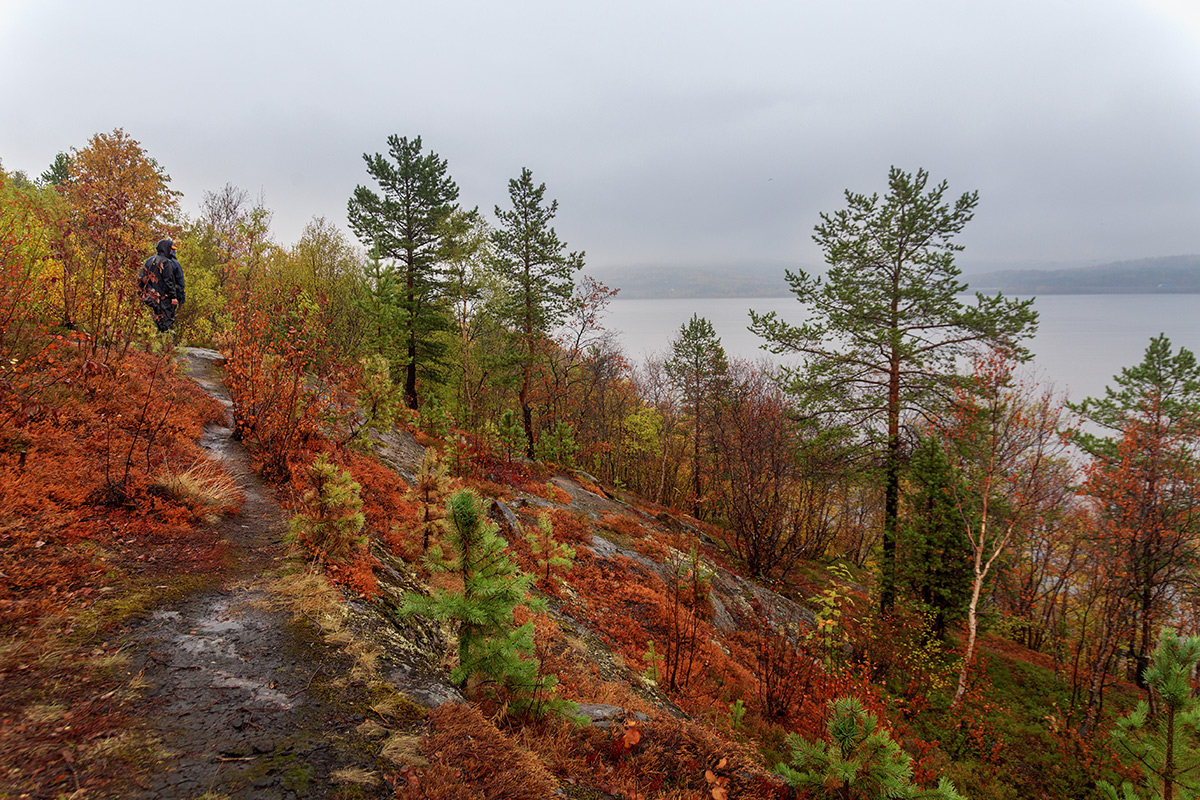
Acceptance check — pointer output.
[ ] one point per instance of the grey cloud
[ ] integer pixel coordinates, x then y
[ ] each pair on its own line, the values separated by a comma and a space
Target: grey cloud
678, 132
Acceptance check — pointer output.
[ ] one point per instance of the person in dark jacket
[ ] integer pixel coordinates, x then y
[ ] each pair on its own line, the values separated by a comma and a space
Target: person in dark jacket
160, 285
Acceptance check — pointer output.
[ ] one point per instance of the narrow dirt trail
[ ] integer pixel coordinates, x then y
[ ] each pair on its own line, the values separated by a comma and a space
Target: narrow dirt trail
241, 698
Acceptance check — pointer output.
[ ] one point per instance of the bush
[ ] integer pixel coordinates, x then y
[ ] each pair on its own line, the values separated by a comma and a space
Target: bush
490, 645
330, 526
860, 759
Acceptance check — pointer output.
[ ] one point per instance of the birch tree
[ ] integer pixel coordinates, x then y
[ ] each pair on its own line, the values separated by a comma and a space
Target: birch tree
1004, 441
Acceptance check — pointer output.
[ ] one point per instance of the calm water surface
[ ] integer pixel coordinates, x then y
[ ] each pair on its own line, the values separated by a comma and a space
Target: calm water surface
1082, 340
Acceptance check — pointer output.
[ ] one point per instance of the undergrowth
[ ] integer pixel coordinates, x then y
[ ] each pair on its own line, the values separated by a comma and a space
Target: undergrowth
94, 532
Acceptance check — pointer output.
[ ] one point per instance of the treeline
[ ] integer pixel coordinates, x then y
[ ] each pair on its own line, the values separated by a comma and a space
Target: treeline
743, 279
904, 444
1167, 275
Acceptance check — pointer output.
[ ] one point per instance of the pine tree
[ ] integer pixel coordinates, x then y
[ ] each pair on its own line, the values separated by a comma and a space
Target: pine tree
490, 645
699, 371
331, 522
379, 399
1147, 478
1164, 745
430, 490
552, 554
557, 445
406, 226
59, 172
934, 558
885, 326
510, 434
538, 272
860, 761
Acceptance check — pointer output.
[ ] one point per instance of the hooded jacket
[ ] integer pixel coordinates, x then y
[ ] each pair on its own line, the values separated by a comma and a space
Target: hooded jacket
172, 287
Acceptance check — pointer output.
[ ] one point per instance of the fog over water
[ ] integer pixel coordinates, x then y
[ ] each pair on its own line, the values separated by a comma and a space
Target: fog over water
1082, 340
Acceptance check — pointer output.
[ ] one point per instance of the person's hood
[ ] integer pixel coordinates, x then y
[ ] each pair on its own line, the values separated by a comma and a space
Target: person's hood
165, 246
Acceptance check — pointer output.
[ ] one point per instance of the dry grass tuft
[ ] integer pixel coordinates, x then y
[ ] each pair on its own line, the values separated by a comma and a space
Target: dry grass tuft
395, 707
42, 713
312, 597
355, 775
366, 659
403, 750
371, 729
129, 746
203, 487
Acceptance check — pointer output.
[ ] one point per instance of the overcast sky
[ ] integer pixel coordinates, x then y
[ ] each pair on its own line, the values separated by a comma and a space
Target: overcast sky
683, 133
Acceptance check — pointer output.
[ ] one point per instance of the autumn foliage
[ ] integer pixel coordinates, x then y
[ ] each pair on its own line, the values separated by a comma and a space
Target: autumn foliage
709, 558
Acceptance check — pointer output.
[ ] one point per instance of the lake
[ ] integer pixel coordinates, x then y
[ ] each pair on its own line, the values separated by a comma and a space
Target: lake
1082, 340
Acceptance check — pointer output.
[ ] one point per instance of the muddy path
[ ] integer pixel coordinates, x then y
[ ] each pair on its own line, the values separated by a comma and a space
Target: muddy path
241, 700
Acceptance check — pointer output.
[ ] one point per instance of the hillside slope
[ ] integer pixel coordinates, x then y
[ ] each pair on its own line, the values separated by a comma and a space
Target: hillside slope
1168, 275
251, 673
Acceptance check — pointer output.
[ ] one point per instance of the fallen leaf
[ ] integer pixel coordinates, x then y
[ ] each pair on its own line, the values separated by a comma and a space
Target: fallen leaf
632, 737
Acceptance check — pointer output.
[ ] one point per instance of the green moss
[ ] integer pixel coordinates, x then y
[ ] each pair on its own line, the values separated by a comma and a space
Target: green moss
297, 776
292, 771
1025, 703
584, 793
137, 598
772, 746
395, 706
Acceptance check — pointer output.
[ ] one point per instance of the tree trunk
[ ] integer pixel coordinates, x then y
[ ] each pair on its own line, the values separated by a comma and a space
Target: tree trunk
1169, 758
891, 497
527, 417
527, 367
410, 377
891, 520
410, 373
972, 626
696, 463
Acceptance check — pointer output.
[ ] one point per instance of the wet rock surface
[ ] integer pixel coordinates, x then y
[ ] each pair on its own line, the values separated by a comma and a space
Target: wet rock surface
241, 700
233, 698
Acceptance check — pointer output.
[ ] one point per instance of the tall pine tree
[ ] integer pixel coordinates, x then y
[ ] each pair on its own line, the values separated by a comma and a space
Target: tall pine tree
405, 228
699, 371
538, 273
885, 327
1147, 479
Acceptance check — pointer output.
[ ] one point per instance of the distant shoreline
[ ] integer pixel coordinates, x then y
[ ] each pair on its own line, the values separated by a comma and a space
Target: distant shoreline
681, 295
1165, 275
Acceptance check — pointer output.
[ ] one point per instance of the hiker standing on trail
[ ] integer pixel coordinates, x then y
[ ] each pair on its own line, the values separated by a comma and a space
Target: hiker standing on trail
160, 285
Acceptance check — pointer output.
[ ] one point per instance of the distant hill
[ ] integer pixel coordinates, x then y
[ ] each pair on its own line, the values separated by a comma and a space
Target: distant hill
1168, 275
655, 281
